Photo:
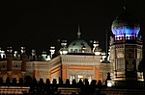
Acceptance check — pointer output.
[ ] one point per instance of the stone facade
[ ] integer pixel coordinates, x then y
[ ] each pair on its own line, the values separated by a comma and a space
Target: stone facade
78, 67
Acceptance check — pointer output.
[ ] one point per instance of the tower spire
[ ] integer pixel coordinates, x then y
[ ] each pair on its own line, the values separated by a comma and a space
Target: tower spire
124, 5
78, 33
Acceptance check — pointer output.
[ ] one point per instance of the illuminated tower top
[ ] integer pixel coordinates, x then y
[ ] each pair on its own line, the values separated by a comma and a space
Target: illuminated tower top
125, 25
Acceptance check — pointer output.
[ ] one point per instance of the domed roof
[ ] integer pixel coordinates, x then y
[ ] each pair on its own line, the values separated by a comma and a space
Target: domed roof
125, 24
79, 46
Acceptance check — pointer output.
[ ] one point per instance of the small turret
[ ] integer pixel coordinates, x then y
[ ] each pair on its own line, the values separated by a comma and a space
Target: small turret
52, 51
9, 58
23, 50
2, 54
45, 56
15, 54
24, 59
63, 49
96, 49
9, 49
78, 33
33, 53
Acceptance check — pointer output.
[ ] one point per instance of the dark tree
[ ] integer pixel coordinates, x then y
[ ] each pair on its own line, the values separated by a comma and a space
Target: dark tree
54, 82
1, 81
40, 86
14, 81
60, 81
86, 82
8, 81
21, 82
41, 82
67, 83
53, 87
74, 83
47, 86
80, 83
34, 82
47, 82
28, 80
93, 83
99, 84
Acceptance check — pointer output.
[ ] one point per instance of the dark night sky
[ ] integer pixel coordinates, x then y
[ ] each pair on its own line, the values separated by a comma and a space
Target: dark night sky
41, 23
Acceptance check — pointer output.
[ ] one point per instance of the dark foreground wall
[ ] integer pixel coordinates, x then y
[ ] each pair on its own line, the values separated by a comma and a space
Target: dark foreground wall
29, 86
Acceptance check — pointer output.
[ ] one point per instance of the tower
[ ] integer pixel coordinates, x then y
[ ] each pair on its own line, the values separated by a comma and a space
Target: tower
52, 51
9, 58
24, 59
125, 48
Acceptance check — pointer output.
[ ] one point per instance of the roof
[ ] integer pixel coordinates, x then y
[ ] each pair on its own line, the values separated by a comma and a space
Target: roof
125, 24
79, 46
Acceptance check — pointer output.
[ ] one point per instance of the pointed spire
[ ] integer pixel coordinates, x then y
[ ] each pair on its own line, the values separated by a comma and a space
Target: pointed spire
124, 5
124, 8
78, 33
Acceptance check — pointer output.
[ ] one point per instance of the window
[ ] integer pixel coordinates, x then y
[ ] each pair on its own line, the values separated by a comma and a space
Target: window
71, 50
76, 50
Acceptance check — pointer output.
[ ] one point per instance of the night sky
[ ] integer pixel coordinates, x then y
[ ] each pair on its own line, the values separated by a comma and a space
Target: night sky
41, 24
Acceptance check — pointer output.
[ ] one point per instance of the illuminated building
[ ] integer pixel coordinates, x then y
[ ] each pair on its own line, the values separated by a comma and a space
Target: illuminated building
125, 48
80, 60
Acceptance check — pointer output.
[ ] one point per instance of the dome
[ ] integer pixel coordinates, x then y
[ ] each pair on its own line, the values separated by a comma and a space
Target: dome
126, 25
79, 46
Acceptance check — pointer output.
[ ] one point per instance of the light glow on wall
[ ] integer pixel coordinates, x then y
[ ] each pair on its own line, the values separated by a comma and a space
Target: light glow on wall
97, 53
110, 83
125, 31
2, 54
63, 52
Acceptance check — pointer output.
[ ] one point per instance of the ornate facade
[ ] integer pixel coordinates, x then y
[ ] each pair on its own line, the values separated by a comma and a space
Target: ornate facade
78, 60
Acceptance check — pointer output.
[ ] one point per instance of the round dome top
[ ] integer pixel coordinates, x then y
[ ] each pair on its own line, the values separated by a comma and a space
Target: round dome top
79, 46
125, 25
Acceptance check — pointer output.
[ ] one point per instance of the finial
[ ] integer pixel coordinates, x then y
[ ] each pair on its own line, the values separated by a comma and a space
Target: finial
124, 8
79, 33
124, 5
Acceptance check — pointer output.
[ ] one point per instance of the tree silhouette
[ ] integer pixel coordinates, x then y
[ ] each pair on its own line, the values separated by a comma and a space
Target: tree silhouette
60, 81
67, 83
21, 82
80, 83
86, 82
54, 82
99, 84
1, 81
14, 81
41, 86
8, 81
74, 83
28, 80
93, 83
47, 86
53, 87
